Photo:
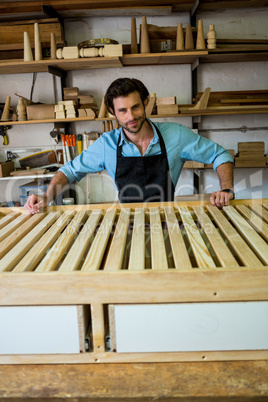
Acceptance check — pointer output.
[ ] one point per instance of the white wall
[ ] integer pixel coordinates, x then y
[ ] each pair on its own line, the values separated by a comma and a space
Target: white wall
165, 81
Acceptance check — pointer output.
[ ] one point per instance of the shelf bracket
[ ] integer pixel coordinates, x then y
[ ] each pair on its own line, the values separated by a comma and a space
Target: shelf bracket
52, 13
59, 73
193, 12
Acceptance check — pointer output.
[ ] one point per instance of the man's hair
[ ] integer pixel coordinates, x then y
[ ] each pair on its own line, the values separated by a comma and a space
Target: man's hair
124, 87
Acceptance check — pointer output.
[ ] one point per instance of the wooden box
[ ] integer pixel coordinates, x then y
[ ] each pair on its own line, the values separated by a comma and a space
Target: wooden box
40, 112
6, 168
169, 257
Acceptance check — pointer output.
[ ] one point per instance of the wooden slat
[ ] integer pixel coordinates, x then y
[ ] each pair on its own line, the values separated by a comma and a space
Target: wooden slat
77, 251
117, 249
35, 255
221, 250
8, 218
179, 250
21, 248
53, 257
254, 220
12, 226
96, 252
137, 250
200, 250
98, 328
21, 232
245, 254
259, 210
158, 250
256, 242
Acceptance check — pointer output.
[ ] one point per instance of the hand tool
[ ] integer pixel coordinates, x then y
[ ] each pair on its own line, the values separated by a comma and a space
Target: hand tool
3, 133
65, 155
73, 138
80, 143
68, 140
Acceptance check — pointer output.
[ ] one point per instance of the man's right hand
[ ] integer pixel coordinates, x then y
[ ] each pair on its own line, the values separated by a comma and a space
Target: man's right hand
35, 203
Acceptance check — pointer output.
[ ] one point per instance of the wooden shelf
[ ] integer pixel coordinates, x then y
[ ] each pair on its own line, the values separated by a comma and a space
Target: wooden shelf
149, 59
18, 123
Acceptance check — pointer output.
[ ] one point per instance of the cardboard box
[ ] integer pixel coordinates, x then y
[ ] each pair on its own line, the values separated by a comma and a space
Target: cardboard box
6, 168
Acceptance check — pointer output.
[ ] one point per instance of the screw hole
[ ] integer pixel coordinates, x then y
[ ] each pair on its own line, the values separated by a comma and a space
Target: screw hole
204, 357
215, 294
96, 360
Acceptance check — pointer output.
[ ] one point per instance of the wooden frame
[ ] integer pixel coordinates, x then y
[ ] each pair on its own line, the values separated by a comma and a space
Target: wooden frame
238, 272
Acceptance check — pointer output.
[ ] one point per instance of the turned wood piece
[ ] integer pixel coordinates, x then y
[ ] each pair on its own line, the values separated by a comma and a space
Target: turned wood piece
28, 55
134, 44
89, 52
145, 43
6, 112
189, 41
211, 37
37, 43
180, 38
200, 41
53, 46
21, 110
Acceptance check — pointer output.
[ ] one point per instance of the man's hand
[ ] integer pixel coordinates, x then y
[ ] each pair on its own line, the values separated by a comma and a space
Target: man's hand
220, 198
34, 203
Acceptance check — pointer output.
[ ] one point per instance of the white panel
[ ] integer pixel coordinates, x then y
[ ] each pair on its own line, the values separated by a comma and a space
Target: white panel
39, 330
191, 327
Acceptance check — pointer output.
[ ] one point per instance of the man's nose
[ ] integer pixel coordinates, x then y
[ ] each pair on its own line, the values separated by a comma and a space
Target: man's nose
130, 114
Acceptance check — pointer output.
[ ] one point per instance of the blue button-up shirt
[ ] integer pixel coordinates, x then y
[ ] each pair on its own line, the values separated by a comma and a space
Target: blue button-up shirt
182, 144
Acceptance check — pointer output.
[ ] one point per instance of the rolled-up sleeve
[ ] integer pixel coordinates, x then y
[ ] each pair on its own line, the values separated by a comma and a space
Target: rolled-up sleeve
90, 161
201, 149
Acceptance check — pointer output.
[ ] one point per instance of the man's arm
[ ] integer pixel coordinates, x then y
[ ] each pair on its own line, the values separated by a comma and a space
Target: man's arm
35, 202
225, 174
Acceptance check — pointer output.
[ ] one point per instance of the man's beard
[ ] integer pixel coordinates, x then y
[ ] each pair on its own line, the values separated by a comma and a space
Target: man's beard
135, 129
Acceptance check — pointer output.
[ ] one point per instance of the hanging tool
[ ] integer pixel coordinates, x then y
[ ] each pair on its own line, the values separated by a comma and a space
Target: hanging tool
68, 146
3, 133
73, 141
65, 148
80, 143
11, 156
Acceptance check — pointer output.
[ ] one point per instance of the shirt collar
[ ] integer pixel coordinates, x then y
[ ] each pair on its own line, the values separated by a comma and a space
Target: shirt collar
124, 139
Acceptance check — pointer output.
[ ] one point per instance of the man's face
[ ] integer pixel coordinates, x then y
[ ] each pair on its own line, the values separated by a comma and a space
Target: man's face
130, 112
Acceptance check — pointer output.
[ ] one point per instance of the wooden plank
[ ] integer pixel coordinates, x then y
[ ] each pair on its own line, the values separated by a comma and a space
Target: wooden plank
83, 318
243, 251
12, 226
96, 252
117, 248
37, 252
221, 250
98, 327
259, 210
179, 250
202, 103
78, 249
56, 253
19, 233
137, 249
254, 220
13, 256
256, 242
200, 250
8, 218
158, 250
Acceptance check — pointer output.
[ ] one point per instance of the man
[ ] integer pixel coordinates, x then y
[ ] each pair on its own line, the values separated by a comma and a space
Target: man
144, 159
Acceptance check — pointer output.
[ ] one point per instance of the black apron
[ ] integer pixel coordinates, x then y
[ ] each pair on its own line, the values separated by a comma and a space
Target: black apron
144, 178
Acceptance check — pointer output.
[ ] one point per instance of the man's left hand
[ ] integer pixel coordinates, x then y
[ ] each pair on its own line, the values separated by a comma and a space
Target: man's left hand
220, 198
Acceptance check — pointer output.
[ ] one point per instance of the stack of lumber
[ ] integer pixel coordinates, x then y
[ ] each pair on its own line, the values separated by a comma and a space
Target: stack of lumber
167, 105
236, 98
84, 104
251, 154
12, 36
65, 109
70, 93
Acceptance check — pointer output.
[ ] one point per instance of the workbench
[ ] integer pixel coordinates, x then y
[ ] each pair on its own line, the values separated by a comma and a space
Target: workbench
184, 253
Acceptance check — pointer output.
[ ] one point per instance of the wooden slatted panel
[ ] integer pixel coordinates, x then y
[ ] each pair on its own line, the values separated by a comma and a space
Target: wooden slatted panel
158, 250
10, 241
256, 242
21, 248
254, 220
37, 252
259, 210
245, 254
200, 250
265, 206
13, 225
8, 218
96, 252
57, 252
179, 250
137, 250
117, 249
221, 250
78, 249
98, 327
